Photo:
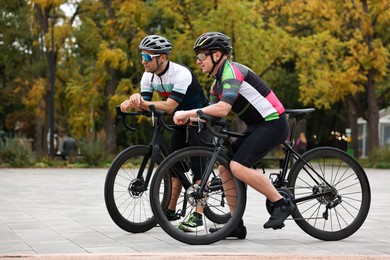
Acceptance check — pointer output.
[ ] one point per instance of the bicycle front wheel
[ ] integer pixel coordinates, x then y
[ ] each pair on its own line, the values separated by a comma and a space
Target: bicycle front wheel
222, 194
126, 190
332, 193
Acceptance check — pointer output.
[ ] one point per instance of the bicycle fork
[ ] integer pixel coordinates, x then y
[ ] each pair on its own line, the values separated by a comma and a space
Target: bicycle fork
152, 159
194, 192
209, 169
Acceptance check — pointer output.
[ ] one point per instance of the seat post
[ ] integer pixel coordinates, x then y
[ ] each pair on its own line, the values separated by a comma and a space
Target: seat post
293, 127
297, 114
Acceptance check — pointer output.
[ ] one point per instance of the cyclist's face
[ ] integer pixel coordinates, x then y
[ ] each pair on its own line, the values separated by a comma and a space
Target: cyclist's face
203, 59
151, 60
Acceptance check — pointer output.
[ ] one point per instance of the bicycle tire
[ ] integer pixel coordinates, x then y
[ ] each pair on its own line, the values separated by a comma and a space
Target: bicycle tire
348, 203
187, 201
126, 202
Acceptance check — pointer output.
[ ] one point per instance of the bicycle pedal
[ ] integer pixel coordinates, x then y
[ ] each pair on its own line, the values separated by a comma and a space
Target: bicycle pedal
279, 227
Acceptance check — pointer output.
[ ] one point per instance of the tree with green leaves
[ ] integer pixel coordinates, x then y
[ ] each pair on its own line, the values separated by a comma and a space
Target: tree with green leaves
331, 55
104, 64
342, 54
22, 69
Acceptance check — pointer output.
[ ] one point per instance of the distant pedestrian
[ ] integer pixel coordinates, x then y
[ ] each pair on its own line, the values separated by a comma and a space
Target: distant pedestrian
69, 147
55, 142
301, 143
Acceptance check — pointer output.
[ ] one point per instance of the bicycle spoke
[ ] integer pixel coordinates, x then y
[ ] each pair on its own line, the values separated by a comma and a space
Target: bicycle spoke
214, 202
333, 194
126, 194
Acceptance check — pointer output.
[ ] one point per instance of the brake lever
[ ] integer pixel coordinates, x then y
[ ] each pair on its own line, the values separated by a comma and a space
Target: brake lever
118, 114
200, 124
116, 120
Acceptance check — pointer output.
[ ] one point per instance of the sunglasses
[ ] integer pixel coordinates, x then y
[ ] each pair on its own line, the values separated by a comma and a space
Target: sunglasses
149, 57
203, 55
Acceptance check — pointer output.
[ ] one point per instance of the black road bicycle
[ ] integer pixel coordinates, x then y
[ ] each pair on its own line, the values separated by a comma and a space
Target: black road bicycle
329, 187
126, 189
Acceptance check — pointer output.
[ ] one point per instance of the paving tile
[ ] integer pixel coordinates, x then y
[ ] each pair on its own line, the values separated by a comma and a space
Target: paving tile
62, 211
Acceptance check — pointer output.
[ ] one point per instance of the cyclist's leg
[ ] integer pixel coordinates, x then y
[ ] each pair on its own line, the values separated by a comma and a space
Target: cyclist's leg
229, 188
256, 180
181, 138
176, 188
212, 196
177, 142
197, 166
230, 191
260, 140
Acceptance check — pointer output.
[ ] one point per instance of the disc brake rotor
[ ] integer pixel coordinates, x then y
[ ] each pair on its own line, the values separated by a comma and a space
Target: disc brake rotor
193, 198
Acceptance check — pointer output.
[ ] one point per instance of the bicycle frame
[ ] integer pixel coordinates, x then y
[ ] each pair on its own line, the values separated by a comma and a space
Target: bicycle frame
282, 176
157, 146
290, 153
128, 178
329, 187
205, 176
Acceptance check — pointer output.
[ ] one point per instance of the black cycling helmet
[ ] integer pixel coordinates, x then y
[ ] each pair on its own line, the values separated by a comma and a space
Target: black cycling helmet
156, 43
213, 41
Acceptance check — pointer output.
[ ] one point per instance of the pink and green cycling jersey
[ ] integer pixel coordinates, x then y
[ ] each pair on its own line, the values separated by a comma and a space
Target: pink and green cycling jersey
251, 99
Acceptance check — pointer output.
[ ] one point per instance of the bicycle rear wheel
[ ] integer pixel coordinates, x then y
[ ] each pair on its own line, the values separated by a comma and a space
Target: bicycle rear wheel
221, 192
345, 202
126, 192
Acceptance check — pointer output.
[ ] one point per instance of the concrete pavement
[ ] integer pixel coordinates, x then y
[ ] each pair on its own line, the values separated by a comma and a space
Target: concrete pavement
60, 214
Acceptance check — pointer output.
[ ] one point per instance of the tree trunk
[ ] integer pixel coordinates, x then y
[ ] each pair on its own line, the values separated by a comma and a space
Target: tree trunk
352, 120
42, 130
372, 101
373, 112
46, 126
111, 86
109, 120
39, 140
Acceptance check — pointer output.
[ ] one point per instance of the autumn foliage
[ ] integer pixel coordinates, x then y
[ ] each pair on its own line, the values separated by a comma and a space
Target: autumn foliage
317, 53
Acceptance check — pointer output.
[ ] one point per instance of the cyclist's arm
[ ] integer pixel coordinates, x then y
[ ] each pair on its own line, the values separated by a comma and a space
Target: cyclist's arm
168, 105
219, 109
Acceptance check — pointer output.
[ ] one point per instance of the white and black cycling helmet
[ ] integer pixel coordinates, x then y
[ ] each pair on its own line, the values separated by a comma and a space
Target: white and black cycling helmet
213, 41
156, 43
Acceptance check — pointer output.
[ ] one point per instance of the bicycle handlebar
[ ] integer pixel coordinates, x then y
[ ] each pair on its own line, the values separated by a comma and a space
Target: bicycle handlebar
213, 120
153, 113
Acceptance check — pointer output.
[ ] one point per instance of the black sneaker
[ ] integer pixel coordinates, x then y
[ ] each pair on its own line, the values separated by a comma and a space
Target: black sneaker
171, 215
239, 232
279, 215
193, 224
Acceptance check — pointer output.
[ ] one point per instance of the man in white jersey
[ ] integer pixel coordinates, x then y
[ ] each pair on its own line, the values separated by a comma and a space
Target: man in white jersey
180, 90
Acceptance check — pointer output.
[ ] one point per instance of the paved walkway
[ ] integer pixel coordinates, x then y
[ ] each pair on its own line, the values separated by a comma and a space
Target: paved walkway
60, 214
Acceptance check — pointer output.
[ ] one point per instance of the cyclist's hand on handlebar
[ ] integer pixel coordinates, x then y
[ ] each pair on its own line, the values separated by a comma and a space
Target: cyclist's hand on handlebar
136, 100
126, 105
180, 117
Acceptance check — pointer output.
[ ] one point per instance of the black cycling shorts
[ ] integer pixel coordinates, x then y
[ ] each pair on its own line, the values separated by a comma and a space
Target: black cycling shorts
259, 140
180, 140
